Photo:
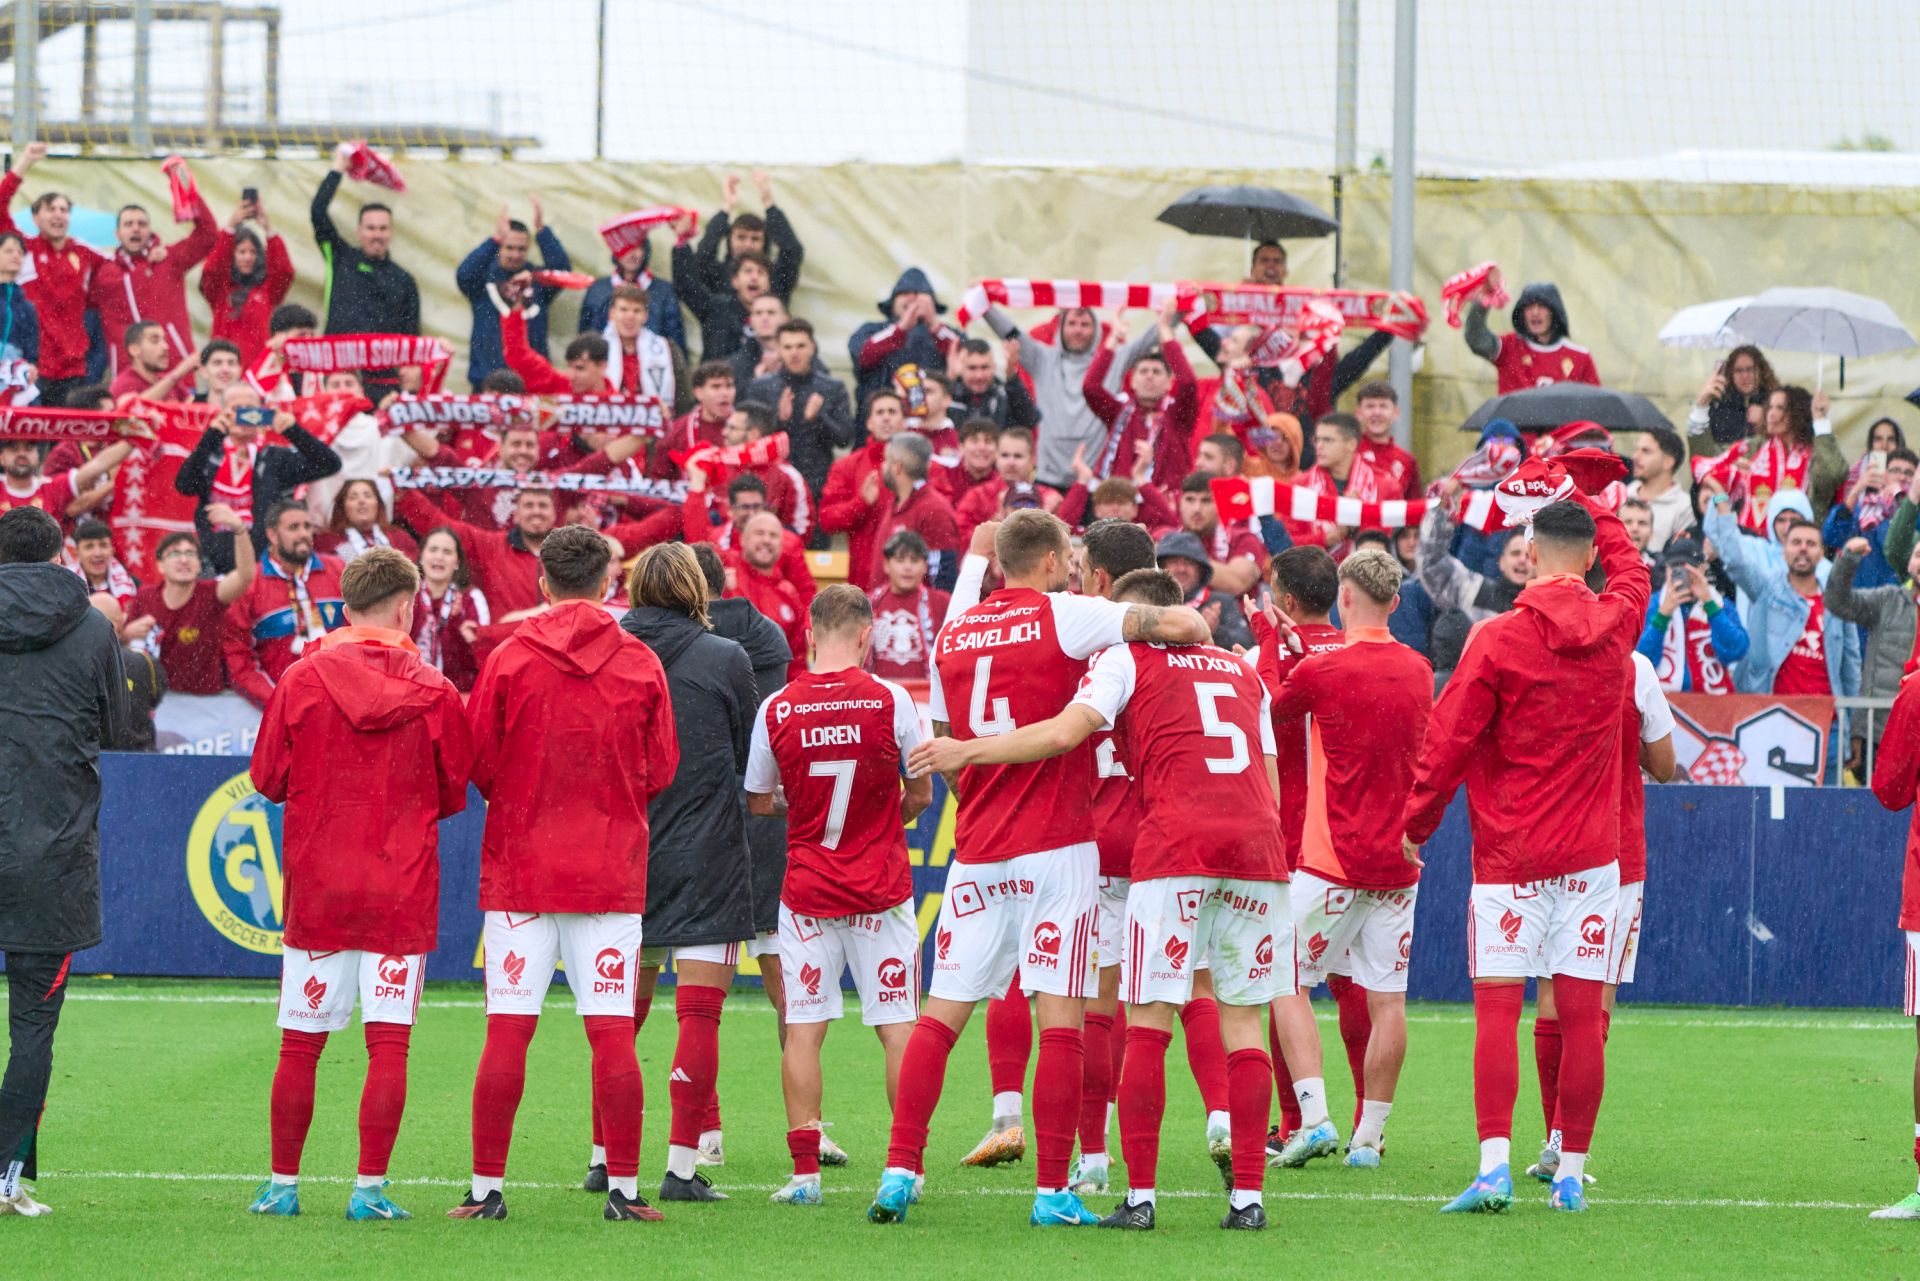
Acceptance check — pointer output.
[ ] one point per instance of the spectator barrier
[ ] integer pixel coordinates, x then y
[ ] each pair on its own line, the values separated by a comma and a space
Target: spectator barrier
1757, 896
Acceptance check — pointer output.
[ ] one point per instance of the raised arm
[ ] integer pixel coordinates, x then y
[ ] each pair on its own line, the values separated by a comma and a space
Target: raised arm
1166, 625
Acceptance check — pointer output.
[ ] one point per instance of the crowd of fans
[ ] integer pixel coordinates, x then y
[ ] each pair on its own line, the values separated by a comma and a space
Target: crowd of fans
1779, 566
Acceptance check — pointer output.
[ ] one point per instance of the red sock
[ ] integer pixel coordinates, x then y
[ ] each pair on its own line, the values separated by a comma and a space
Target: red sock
712, 1119
1546, 1062
1058, 1080
1356, 1029
384, 1097
290, 1106
804, 1146
1290, 1118
1097, 1085
1143, 1103
640, 1010
1248, 1072
696, 1061
618, 1094
1118, 1043
1583, 1064
923, 1071
1009, 1041
1496, 1058
1606, 1024
1206, 1052
497, 1087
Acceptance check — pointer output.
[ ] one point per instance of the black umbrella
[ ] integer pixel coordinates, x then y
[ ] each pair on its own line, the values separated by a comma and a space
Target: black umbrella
1247, 213
1557, 404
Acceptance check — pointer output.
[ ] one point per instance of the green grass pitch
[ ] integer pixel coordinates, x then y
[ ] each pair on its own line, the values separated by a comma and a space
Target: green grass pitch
1732, 1144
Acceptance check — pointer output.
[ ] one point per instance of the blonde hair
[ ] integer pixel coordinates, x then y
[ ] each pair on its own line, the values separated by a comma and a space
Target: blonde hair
1376, 573
1025, 537
668, 576
375, 577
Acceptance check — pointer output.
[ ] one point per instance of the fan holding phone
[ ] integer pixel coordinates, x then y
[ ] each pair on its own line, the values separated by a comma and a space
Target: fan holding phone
1720, 410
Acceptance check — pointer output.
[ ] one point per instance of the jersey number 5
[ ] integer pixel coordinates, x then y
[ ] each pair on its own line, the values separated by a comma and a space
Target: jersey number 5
1210, 693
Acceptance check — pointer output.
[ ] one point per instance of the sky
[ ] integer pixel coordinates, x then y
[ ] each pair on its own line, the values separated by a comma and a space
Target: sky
1595, 87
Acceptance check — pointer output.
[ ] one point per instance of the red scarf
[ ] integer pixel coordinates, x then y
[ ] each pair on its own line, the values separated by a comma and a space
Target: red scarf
1775, 466
1363, 483
1689, 640
433, 621
233, 482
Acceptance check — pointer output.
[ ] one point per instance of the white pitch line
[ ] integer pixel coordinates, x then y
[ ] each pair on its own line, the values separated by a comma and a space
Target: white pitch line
933, 1190
746, 1003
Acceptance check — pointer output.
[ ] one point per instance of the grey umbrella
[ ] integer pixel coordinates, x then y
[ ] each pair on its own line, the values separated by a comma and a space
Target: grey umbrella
1247, 213
1831, 322
1557, 404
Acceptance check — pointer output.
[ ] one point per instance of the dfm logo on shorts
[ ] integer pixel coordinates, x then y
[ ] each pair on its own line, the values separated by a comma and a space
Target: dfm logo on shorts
610, 971
390, 977
810, 978
1262, 958
233, 865
1045, 952
1593, 937
1406, 951
893, 981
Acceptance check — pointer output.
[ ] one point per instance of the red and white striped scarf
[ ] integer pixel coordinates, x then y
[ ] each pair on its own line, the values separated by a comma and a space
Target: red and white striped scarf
233, 482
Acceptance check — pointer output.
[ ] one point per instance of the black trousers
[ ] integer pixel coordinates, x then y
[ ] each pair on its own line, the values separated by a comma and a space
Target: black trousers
36, 989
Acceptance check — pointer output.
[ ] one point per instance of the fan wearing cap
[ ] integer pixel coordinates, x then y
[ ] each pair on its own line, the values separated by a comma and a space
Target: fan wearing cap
1531, 723
1691, 637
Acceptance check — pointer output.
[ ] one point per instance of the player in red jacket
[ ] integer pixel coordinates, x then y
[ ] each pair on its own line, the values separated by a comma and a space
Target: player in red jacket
1896, 781
367, 748
1531, 720
1024, 892
1365, 707
573, 735
1208, 874
834, 740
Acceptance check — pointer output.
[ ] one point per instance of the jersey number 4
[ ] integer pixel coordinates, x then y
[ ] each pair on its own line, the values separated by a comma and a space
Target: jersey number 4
986, 723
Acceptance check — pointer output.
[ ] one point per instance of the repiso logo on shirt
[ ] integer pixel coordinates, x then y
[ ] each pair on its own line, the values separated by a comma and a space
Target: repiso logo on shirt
233, 865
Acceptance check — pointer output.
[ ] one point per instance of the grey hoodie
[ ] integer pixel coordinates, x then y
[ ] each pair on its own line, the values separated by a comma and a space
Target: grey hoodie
1058, 376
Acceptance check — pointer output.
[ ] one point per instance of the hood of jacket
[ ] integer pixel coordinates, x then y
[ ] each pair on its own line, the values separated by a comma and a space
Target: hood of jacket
1570, 622
912, 281
1187, 546
666, 633
39, 604
577, 636
1786, 500
1548, 295
377, 686
737, 620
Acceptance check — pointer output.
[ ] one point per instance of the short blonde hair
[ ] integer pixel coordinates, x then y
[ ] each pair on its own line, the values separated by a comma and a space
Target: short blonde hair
375, 577
1025, 537
1375, 573
668, 576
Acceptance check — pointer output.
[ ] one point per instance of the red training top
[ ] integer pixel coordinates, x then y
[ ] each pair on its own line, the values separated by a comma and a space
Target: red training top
1290, 740
1896, 777
367, 748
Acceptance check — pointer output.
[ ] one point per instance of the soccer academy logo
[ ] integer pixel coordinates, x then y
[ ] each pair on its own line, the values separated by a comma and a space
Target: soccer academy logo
233, 865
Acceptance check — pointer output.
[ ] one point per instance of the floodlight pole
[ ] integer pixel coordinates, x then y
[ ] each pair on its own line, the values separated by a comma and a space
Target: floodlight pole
1400, 271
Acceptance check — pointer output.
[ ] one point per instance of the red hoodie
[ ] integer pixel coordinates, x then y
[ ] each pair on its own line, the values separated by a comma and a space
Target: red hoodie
125, 289
1896, 777
843, 509
367, 748
1531, 720
572, 736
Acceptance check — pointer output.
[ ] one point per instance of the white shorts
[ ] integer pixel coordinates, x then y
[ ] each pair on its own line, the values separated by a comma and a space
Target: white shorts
1555, 927
1243, 929
601, 953
317, 988
1912, 1003
1371, 929
1109, 931
1624, 937
1034, 913
759, 945
882, 949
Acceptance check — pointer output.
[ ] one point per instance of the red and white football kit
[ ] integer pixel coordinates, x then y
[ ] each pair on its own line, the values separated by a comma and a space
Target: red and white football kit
1209, 869
1022, 889
1523, 363
836, 741
1896, 779
1116, 825
1365, 708
1209, 876
1649, 720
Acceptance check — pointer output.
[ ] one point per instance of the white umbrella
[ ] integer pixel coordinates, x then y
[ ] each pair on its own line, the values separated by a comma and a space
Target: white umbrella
1704, 325
1831, 322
